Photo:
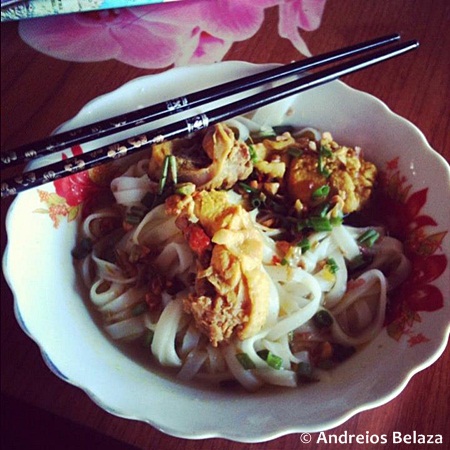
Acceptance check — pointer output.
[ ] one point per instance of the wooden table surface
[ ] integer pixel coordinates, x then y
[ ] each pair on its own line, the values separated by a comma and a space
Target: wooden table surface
39, 92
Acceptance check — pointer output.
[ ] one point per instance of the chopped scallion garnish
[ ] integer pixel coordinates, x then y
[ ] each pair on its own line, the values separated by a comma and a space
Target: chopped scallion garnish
322, 168
248, 189
245, 361
304, 244
368, 238
357, 262
322, 210
173, 168
274, 361
164, 172
185, 189
320, 223
336, 221
321, 192
332, 265
325, 151
253, 155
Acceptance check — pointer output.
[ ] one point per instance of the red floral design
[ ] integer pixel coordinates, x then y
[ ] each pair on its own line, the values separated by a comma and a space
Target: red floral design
412, 227
417, 339
76, 188
74, 194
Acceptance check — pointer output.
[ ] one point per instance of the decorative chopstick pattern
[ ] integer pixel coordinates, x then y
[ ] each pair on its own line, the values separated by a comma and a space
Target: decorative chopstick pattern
180, 128
113, 125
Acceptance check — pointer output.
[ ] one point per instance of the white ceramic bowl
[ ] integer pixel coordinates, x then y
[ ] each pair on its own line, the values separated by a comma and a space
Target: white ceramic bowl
52, 310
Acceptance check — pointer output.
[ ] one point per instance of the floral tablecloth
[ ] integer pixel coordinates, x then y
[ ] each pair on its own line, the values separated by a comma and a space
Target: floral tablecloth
162, 35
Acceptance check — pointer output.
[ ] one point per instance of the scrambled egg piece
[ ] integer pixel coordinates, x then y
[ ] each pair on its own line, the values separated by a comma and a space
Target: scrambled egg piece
340, 168
231, 289
211, 160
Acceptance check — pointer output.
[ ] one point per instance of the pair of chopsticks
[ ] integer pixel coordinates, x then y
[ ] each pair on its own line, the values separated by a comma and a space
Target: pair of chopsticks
105, 154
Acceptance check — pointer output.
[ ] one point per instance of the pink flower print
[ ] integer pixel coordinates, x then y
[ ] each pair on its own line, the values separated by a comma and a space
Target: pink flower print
103, 35
161, 35
304, 14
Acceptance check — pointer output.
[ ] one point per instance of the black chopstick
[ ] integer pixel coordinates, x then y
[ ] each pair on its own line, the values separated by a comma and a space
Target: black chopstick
130, 146
62, 141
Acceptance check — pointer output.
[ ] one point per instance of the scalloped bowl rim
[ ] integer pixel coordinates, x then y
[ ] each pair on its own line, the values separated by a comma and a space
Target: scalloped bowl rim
261, 423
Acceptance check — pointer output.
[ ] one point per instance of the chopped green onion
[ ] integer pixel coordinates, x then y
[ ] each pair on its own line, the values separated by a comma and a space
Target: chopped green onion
253, 155
325, 172
185, 189
322, 319
368, 238
248, 189
336, 221
245, 361
322, 210
325, 151
83, 248
301, 225
320, 223
321, 192
274, 361
321, 167
173, 168
284, 262
304, 244
163, 179
357, 262
332, 265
